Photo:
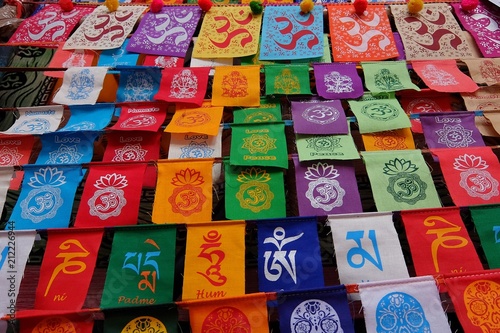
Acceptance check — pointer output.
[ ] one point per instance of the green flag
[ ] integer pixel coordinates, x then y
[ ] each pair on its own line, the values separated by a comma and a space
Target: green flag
141, 320
379, 115
487, 221
400, 180
386, 76
287, 80
254, 193
141, 267
262, 144
269, 111
329, 147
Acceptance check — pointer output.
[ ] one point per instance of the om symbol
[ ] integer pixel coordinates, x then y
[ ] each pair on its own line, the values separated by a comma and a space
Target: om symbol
255, 196
406, 187
187, 200
107, 202
41, 204
193, 118
479, 183
380, 111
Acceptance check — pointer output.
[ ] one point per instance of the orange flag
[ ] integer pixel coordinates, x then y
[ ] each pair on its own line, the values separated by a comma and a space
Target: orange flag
215, 260
43, 321
389, 140
183, 191
203, 120
236, 86
247, 313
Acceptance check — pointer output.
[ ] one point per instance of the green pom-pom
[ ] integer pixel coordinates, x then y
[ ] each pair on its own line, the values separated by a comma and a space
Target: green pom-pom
256, 7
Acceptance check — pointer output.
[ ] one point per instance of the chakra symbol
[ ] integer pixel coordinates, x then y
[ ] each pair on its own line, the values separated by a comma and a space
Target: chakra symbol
455, 136
380, 111
323, 143
259, 143
64, 154
130, 152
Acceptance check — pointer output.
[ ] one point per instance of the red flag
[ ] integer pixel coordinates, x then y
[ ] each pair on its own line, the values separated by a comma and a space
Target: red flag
35, 321
184, 85
439, 241
111, 195
70, 256
141, 117
16, 150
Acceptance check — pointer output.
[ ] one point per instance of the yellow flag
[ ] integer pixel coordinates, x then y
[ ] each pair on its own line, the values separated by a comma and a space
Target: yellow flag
236, 86
183, 191
203, 120
389, 140
215, 260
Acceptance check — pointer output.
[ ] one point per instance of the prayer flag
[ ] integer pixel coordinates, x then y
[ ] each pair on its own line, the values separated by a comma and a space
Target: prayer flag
46, 197
485, 98
444, 76
38, 321
6, 174
70, 254
439, 242
202, 120
379, 115
402, 182
484, 71
331, 147
236, 86
289, 255
81, 85
162, 61
144, 256
69, 58
268, 111
287, 80
111, 195
403, 305
37, 120
16, 150
326, 188
118, 57
67, 147
389, 140
254, 192
215, 260
485, 220
183, 85
470, 174
138, 85
183, 191
382, 76
161, 319
367, 248
141, 117
191, 145
319, 117
336, 81
89, 117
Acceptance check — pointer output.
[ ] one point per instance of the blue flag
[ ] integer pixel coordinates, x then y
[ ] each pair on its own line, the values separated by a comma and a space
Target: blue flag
319, 310
118, 57
89, 117
289, 254
138, 85
67, 147
46, 197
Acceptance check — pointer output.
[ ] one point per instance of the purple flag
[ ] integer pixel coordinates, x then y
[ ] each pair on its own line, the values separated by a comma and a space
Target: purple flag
337, 81
399, 46
450, 130
482, 23
319, 117
326, 187
166, 33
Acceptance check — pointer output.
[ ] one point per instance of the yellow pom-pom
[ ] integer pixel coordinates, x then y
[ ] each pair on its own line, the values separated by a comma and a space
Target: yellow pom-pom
415, 6
306, 6
112, 5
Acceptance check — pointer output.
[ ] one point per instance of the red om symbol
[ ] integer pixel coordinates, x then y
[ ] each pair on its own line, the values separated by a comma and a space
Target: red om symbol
105, 29
298, 35
231, 34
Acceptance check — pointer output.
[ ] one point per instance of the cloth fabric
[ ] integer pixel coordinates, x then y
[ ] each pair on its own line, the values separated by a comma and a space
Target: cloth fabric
485, 98
402, 182
144, 257
162, 61
67, 148
69, 58
268, 111
254, 192
387, 76
439, 241
326, 147
166, 33
236, 36
236, 86
183, 85
319, 117
259, 144
451, 130
422, 34
367, 248
37, 120
485, 222
118, 57
162, 318
338, 81
104, 30
47, 194
484, 71
289, 34
89, 117
203, 120
215, 260
444, 76
191, 145
111, 195
287, 80
81, 85
141, 117
389, 140
138, 85
16, 151
69, 254
40, 321
289, 255
470, 174
187, 187
379, 115
407, 304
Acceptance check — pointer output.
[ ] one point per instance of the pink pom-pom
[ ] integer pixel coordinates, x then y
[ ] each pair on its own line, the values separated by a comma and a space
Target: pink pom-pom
360, 6
66, 5
156, 6
469, 5
205, 5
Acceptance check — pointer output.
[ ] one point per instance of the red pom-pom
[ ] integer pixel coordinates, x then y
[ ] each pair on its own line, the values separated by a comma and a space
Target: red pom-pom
205, 5
469, 5
66, 5
360, 6
156, 6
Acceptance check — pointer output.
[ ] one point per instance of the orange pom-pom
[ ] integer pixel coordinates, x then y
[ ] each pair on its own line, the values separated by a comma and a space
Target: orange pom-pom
156, 6
415, 6
112, 5
360, 6
205, 5
66, 5
306, 6
469, 5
